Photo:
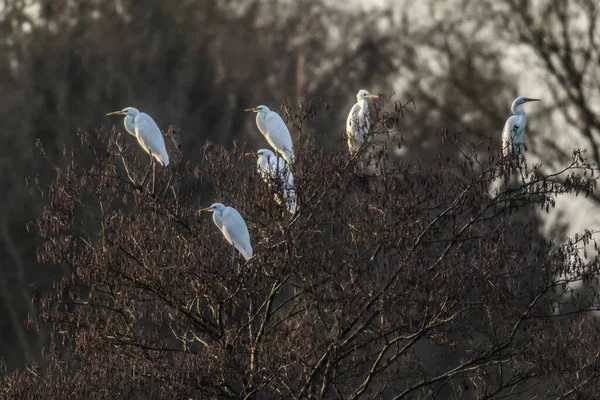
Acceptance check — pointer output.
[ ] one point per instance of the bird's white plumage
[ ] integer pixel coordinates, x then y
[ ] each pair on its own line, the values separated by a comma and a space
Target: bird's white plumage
358, 123
275, 131
513, 134
147, 132
129, 123
233, 227
272, 168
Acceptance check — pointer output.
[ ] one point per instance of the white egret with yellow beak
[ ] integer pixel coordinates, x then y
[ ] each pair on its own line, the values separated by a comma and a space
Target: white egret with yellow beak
513, 134
358, 123
275, 131
232, 226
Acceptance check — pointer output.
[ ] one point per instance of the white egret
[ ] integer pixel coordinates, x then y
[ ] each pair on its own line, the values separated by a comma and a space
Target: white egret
514, 128
275, 131
271, 168
232, 226
358, 123
143, 127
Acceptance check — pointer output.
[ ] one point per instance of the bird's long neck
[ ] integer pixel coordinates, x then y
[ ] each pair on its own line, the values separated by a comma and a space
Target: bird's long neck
260, 120
263, 163
518, 110
364, 105
130, 124
217, 217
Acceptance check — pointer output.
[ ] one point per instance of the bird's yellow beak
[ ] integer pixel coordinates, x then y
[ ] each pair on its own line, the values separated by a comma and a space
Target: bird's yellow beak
372, 96
248, 154
251, 109
115, 113
202, 210
534, 100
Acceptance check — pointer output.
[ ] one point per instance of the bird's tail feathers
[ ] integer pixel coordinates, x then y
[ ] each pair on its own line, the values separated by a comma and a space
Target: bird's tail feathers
245, 254
162, 159
288, 156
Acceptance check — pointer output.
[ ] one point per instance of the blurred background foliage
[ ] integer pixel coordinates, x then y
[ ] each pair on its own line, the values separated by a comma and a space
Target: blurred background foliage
196, 64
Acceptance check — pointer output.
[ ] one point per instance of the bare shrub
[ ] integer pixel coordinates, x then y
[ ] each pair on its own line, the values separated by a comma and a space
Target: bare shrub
406, 282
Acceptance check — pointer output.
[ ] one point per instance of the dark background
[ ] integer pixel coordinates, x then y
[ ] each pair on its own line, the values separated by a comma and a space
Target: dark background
197, 64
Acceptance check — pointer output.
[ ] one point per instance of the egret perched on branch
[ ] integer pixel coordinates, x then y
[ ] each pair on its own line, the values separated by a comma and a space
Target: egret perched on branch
514, 128
272, 168
358, 123
143, 127
275, 131
232, 226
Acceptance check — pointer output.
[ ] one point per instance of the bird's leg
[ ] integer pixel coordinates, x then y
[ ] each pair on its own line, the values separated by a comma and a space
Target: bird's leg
232, 257
359, 167
278, 176
153, 176
169, 184
147, 171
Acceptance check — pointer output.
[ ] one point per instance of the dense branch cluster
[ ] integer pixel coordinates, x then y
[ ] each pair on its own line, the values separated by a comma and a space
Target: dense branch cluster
66, 62
407, 281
